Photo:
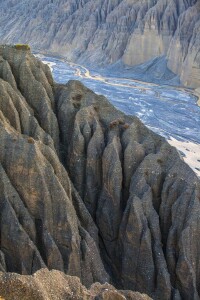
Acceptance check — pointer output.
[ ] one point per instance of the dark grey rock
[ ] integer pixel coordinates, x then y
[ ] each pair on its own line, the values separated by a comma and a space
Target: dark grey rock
98, 196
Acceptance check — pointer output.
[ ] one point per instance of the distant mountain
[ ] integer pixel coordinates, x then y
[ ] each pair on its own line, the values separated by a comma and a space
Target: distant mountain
102, 32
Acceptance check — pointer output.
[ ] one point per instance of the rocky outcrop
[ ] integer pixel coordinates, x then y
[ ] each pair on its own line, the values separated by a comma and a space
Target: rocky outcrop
104, 32
39, 224
55, 285
89, 191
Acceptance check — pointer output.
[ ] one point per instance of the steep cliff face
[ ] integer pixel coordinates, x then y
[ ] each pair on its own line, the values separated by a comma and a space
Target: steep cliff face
105, 31
39, 224
89, 191
184, 52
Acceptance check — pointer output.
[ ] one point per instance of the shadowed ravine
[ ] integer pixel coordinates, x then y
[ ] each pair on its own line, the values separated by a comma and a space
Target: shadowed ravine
89, 191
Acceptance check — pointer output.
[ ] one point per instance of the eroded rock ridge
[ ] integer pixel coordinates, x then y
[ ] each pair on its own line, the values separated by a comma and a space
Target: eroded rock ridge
89, 191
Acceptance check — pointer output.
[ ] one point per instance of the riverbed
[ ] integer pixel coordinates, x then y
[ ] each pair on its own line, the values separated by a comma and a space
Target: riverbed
169, 111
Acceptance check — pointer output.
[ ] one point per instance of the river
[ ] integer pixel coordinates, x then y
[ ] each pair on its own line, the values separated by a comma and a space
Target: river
170, 111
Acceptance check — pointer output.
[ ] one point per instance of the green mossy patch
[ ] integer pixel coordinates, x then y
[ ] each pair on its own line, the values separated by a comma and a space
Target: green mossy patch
22, 47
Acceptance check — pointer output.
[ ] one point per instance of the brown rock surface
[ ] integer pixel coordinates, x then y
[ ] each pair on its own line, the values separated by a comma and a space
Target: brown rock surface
55, 285
94, 194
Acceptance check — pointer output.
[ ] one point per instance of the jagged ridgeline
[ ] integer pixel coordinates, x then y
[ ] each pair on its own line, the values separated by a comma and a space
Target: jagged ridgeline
89, 191
105, 31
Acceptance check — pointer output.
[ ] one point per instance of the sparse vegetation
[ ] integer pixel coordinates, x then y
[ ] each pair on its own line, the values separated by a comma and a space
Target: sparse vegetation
126, 126
22, 47
30, 141
159, 161
116, 123
121, 121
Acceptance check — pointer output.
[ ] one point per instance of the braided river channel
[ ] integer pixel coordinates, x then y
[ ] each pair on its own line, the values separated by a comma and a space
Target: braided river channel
169, 111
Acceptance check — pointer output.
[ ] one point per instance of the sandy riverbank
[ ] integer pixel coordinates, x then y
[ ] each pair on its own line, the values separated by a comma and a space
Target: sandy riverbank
191, 153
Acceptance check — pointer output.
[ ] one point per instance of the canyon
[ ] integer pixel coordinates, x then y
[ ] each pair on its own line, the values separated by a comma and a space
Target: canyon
172, 112
161, 36
90, 192
95, 205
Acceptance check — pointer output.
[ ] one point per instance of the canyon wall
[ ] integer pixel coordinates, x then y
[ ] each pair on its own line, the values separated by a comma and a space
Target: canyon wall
89, 191
103, 32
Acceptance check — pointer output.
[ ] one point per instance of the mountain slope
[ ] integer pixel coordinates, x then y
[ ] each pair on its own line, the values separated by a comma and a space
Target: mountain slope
105, 31
89, 191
